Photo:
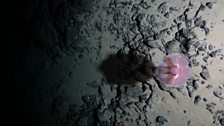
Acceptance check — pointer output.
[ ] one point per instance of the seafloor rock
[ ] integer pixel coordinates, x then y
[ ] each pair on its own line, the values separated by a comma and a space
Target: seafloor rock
218, 118
205, 73
161, 120
197, 99
172, 47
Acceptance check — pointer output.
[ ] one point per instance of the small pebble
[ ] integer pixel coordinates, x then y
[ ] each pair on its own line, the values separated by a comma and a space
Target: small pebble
195, 85
210, 47
210, 107
190, 90
205, 99
202, 7
221, 121
213, 54
205, 74
202, 82
189, 122
209, 5
217, 94
197, 99
194, 62
173, 9
162, 7
161, 120
209, 86
205, 59
167, 15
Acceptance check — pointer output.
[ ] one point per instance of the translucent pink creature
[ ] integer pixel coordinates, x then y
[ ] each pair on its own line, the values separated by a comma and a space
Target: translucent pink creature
173, 70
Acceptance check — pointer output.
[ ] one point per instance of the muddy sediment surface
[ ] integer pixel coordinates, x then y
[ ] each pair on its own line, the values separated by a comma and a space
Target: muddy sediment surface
91, 62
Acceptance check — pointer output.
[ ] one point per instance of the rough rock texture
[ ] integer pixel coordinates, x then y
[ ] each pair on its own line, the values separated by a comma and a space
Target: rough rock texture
91, 62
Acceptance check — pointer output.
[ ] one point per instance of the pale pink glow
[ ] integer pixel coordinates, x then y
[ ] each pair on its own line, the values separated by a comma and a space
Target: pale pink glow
173, 70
